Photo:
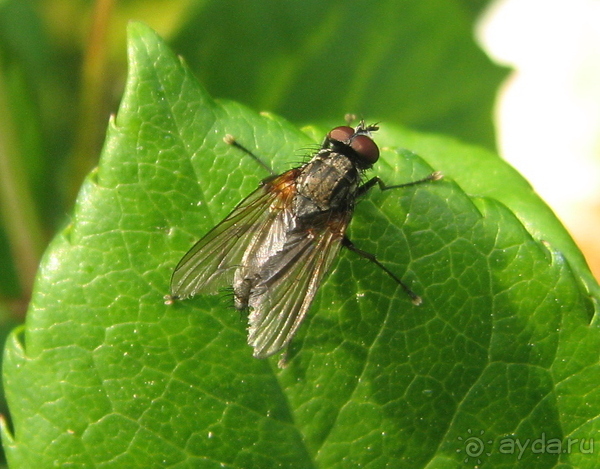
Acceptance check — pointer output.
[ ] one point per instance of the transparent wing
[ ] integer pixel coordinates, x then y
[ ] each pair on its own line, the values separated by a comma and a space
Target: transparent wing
209, 265
280, 302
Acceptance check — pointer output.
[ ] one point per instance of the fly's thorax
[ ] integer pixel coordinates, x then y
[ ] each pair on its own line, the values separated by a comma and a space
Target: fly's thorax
328, 182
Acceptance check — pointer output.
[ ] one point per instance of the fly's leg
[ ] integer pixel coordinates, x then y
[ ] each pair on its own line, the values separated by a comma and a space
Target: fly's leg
435, 176
230, 140
416, 299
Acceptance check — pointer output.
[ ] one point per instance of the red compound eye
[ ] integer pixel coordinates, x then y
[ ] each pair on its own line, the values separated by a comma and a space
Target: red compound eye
366, 148
342, 133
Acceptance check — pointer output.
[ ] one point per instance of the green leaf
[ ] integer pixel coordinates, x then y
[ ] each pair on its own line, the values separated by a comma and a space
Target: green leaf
105, 374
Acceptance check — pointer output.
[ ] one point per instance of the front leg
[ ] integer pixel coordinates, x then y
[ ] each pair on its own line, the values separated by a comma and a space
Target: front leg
435, 176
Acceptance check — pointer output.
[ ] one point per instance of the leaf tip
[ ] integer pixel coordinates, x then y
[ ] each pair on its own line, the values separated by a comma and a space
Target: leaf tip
136, 29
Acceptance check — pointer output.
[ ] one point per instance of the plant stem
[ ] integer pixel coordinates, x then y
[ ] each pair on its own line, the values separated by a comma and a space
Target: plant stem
91, 120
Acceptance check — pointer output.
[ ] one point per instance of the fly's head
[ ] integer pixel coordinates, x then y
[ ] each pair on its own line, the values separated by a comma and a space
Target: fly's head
355, 144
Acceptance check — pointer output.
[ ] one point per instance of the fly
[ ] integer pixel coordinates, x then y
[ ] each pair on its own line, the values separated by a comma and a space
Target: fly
276, 246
